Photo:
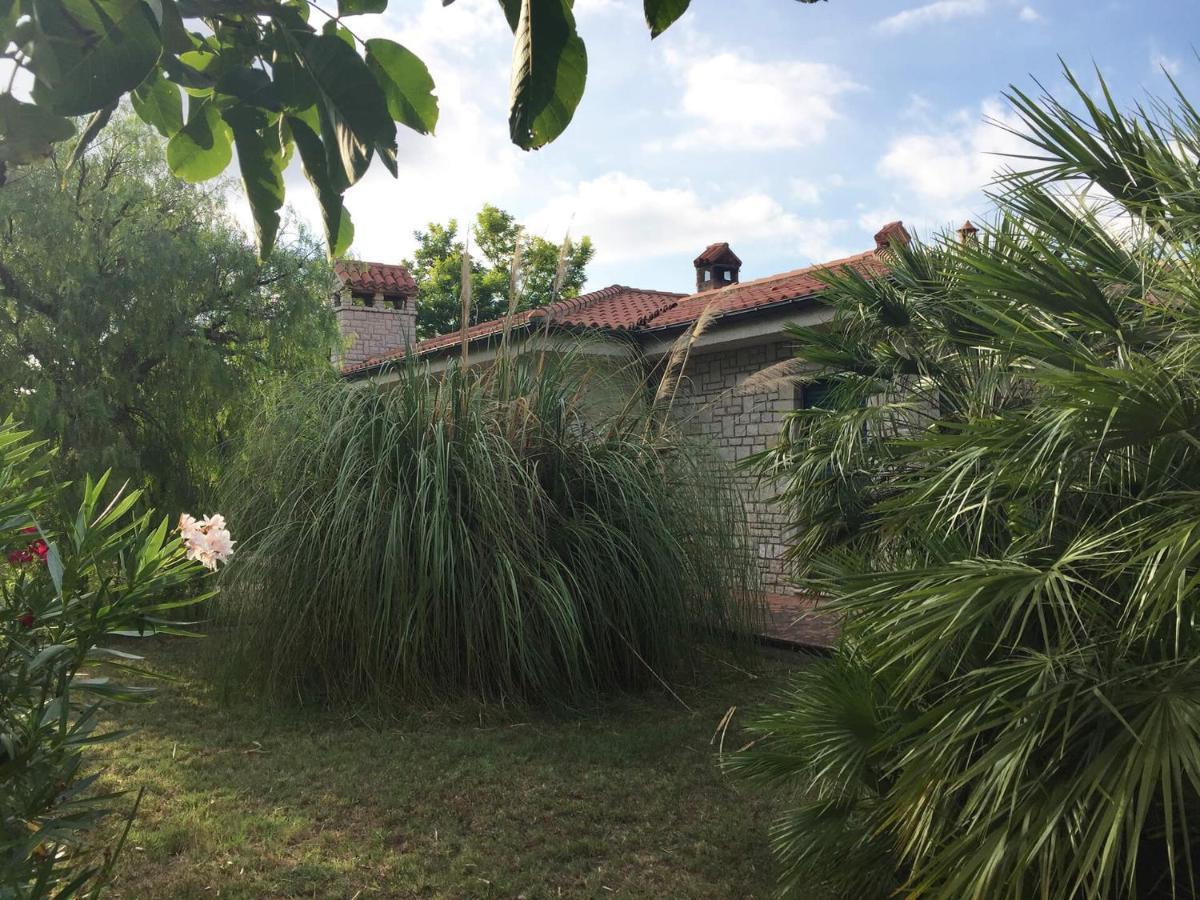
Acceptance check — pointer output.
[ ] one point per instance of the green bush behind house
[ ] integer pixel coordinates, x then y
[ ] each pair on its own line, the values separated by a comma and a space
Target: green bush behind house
1003, 497
523, 531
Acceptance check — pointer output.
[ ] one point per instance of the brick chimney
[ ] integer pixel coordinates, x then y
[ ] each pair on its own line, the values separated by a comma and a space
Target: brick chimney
375, 307
716, 267
891, 233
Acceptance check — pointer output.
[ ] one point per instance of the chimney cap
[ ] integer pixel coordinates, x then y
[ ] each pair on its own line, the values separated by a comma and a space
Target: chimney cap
717, 253
892, 232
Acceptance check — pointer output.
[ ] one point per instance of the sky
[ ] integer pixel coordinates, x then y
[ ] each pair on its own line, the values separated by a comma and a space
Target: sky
792, 131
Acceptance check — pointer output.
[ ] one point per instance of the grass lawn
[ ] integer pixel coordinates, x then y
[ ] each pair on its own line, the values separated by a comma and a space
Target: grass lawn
458, 801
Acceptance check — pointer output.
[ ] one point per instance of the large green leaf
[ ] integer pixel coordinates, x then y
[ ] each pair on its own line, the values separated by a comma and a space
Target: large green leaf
406, 83
339, 230
261, 161
251, 86
157, 102
661, 14
89, 53
355, 122
203, 147
549, 72
27, 131
359, 7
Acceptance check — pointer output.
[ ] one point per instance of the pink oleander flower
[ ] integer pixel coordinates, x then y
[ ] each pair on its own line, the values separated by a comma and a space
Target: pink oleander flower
207, 541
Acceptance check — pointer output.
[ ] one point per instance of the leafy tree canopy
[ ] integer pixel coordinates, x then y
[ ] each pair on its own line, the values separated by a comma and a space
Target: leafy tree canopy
268, 78
135, 316
437, 267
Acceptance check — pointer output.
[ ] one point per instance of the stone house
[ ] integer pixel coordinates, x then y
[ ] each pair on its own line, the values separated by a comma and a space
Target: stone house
743, 334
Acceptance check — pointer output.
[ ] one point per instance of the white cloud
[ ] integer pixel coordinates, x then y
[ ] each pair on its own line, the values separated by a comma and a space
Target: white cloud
1160, 62
740, 103
1028, 14
629, 218
938, 175
804, 191
930, 14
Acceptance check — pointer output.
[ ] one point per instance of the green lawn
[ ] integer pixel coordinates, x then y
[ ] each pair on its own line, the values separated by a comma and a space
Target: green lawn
459, 801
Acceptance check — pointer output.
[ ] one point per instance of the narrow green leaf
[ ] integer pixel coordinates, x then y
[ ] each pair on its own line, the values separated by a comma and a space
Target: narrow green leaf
95, 125
54, 565
549, 72
262, 172
339, 231
661, 14
406, 84
203, 147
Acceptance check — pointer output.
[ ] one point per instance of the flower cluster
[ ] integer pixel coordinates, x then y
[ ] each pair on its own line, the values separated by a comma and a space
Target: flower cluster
207, 540
36, 551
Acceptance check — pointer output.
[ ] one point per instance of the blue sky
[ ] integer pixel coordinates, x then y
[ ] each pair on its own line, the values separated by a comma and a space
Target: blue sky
791, 131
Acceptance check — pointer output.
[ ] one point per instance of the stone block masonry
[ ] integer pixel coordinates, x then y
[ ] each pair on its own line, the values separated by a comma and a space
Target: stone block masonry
738, 426
370, 331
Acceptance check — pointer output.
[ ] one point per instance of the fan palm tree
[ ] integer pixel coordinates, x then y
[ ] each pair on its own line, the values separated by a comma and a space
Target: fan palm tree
1003, 500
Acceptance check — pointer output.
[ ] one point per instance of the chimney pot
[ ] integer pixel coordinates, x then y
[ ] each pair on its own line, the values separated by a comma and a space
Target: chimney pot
716, 267
891, 233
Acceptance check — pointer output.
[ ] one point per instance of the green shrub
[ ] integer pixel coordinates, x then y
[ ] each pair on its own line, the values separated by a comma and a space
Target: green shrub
1003, 498
510, 532
108, 570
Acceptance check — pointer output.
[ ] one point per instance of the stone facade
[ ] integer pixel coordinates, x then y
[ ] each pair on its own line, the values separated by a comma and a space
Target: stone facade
739, 425
370, 331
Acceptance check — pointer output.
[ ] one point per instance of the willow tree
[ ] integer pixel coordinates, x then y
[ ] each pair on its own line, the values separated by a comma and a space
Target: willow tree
135, 318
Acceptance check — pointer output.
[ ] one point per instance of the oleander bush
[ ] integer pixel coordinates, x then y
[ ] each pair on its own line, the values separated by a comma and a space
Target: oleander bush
1002, 497
78, 569
521, 531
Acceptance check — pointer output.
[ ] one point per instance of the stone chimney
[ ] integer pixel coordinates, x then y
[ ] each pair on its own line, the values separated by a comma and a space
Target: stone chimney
375, 307
967, 233
891, 233
716, 267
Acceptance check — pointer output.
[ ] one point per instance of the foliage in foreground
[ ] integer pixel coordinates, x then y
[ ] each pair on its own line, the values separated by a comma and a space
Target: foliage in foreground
108, 570
507, 531
1003, 497
319, 96
137, 350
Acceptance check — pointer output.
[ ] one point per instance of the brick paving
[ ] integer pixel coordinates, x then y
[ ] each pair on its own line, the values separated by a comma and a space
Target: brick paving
797, 621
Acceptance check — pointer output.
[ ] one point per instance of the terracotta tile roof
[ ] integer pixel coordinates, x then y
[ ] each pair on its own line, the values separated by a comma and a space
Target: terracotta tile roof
620, 308
615, 308
375, 278
748, 295
716, 253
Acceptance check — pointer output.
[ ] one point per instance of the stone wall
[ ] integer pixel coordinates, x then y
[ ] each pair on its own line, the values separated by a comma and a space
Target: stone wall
739, 425
369, 331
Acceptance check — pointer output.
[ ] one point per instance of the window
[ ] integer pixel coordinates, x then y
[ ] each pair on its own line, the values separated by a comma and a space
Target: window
812, 395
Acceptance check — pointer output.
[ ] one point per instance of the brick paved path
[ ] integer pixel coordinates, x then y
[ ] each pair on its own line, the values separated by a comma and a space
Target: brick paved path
797, 621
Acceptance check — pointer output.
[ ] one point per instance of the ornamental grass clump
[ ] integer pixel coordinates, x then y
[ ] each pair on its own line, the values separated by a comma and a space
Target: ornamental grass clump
515, 531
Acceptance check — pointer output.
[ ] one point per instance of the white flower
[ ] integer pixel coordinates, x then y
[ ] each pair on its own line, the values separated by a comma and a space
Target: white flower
207, 541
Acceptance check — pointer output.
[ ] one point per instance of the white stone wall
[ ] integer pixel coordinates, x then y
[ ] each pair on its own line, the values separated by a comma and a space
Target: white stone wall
739, 425
369, 331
